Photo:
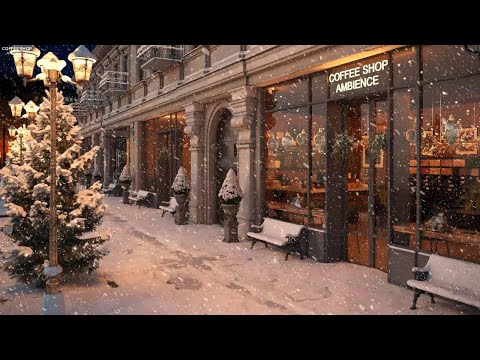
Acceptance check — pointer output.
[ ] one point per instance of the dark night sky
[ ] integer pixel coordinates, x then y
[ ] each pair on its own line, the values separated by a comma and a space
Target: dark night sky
11, 85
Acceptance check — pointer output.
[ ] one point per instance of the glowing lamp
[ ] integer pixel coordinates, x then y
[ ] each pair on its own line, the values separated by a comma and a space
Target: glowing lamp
82, 61
16, 106
12, 131
24, 57
51, 65
31, 109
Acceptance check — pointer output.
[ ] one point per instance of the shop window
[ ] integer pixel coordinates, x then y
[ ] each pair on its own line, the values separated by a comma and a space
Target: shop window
404, 67
166, 149
448, 61
287, 95
319, 162
450, 169
287, 164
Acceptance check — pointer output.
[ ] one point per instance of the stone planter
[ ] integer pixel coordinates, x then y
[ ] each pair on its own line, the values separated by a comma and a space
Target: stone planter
126, 194
181, 214
230, 224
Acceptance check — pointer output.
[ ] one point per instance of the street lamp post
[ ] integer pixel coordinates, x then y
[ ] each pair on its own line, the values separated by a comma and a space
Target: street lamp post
51, 67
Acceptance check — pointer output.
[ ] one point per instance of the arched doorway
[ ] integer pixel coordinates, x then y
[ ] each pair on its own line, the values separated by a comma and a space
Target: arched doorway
221, 153
226, 156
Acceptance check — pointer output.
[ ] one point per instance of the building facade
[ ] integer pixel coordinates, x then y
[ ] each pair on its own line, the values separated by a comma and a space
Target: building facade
373, 148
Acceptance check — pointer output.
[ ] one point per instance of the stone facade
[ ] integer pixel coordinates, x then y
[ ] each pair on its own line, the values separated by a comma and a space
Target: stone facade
204, 82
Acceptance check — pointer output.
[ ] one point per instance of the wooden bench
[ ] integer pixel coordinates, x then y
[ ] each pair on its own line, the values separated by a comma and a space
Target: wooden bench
170, 206
448, 278
140, 197
280, 233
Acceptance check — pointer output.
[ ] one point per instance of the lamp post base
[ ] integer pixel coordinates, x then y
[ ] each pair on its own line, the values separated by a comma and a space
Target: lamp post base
53, 301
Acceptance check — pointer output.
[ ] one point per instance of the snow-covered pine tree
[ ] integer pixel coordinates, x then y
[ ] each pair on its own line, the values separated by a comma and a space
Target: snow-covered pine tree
230, 193
27, 188
180, 183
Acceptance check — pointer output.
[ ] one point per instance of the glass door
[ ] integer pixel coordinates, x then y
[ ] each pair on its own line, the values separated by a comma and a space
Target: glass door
164, 173
379, 197
366, 121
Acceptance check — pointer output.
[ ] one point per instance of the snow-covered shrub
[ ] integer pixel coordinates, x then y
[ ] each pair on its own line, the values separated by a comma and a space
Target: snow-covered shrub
230, 193
125, 175
180, 185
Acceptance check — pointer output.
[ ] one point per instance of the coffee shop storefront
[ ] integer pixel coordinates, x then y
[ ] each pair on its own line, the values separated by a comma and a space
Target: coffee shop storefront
379, 158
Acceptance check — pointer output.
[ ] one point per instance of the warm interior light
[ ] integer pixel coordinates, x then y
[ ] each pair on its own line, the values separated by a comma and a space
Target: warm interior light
82, 61
24, 57
16, 106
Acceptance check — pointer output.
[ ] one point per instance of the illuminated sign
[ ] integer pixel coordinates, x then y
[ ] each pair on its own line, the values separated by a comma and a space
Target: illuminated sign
363, 76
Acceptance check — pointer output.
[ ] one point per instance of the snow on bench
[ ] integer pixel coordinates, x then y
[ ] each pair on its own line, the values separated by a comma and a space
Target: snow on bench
140, 197
170, 206
279, 233
448, 278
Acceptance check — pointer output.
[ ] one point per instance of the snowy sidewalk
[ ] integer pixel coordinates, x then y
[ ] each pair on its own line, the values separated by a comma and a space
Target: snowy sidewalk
163, 268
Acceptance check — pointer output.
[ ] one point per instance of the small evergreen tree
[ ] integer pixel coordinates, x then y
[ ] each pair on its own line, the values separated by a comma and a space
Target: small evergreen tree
230, 193
27, 191
180, 184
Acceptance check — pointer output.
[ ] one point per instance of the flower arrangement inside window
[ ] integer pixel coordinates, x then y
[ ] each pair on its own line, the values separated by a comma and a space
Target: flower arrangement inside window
180, 185
230, 193
379, 143
343, 144
164, 153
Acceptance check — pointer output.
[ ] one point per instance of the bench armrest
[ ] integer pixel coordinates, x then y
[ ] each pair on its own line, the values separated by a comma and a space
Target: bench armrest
256, 228
420, 273
291, 238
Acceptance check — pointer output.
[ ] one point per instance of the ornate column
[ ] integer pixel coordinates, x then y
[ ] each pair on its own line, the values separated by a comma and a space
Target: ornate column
244, 103
101, 154
107, 164
134, 154
195, 120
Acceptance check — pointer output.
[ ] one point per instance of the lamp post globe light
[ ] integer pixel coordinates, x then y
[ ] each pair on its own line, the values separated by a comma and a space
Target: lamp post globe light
16, 106
82, 60
31, 110
24, 57
12, 131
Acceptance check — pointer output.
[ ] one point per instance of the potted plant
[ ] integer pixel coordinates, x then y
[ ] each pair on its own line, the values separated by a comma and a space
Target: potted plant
181, 190
343, 144
379, 143
125, 180
230, 197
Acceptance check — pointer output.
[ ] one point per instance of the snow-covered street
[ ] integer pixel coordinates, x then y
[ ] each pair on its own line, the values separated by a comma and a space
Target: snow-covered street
163, 268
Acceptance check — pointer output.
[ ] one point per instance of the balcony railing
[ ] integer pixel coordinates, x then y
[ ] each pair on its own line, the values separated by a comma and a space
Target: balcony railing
91, 98
159, 57
79, 110
113, 82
